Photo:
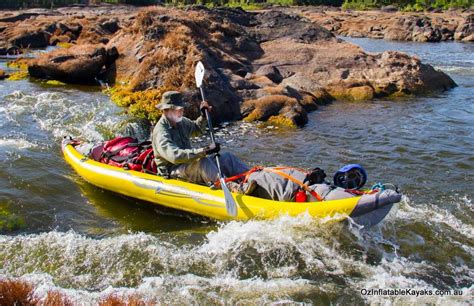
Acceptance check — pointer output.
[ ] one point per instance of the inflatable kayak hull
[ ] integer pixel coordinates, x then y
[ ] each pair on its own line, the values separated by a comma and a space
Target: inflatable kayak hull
202, 200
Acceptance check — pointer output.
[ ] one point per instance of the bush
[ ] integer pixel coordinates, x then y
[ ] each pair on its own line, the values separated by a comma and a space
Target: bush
407, 5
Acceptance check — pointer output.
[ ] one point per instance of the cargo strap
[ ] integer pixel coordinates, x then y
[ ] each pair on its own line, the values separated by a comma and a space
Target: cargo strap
298, 182
244, 175
276, 170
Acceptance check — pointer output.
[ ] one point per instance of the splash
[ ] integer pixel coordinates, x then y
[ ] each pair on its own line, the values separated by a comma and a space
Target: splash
57, 114
17, 144
287, 259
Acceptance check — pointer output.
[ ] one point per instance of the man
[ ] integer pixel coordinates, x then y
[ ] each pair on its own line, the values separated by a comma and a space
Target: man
174, 155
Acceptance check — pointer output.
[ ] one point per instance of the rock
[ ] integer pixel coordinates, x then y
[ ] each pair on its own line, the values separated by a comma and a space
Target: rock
301, 83
236, 81
37, 39
361, 93
18, 17
54, 40
111, 26
274, 106
78, 64
395, 33
3, 75
389, 9
469, 38
426, 34
270, 72
424, 27
275, 24
465, 29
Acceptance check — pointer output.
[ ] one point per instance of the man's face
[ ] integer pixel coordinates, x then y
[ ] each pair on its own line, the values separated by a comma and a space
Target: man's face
175, 115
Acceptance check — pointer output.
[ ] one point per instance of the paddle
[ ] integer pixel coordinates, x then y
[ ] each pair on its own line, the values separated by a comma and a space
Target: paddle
230, 204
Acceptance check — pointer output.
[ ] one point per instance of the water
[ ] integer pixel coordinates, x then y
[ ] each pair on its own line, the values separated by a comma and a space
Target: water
89, 243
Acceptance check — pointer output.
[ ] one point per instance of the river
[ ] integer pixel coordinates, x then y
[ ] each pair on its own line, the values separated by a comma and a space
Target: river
70, 236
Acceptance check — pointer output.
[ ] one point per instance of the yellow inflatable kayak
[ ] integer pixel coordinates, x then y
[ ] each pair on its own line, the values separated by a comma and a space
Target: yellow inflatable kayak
203, 201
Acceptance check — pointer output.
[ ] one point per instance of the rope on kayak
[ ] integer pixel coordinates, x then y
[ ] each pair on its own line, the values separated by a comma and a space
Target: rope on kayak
375, 188
298, 182
276, 170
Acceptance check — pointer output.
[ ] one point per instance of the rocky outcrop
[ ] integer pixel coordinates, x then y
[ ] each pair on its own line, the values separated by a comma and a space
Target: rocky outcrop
465, 30
79, 64
266, 65
38, 28
394, 25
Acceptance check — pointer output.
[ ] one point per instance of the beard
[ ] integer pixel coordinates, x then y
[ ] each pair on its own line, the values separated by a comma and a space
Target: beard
175, 118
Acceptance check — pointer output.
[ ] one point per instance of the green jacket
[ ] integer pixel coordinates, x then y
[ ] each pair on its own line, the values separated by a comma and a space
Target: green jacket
172, 145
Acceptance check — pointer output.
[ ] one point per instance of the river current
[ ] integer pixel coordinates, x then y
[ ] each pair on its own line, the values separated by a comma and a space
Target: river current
70, 236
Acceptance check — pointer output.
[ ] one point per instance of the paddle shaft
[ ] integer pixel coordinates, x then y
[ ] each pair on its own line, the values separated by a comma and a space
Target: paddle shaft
230, 204
208, 117
211, 132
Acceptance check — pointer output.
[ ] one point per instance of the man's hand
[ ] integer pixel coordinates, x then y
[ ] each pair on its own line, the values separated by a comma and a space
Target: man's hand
212, 148
204, 105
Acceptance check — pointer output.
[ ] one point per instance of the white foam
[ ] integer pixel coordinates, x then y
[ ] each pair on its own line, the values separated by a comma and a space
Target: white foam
401, 274
433, 214
53, 112
19, 144
456, 69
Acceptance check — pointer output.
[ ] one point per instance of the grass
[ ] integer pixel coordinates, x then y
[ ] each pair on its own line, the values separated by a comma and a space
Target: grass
65, 45
141, 104
55, 83
19, 63
281, 121
18, 75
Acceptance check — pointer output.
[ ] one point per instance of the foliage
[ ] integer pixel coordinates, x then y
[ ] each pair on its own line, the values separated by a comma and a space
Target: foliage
407, 5
55, 83
64, 45
281, 121
19, 63
141, 104
246, 4
18, 75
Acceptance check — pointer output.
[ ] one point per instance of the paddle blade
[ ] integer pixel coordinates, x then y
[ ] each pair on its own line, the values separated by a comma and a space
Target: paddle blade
230, 204
199, 74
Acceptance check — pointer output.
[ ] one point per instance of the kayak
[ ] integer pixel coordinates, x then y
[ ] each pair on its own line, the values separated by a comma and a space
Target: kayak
367, 209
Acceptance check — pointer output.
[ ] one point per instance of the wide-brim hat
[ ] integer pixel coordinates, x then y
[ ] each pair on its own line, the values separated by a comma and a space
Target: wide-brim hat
171, 100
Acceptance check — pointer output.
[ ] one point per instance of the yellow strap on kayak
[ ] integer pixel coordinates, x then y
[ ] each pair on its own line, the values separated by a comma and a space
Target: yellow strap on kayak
298, 182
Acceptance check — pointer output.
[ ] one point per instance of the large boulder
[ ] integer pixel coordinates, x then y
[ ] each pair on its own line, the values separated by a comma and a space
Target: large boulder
386, 24
281, 109
79, 64
35, 39
270, 72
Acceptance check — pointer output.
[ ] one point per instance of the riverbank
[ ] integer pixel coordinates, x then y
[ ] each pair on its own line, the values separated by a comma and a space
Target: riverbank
395, 25
268, 66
